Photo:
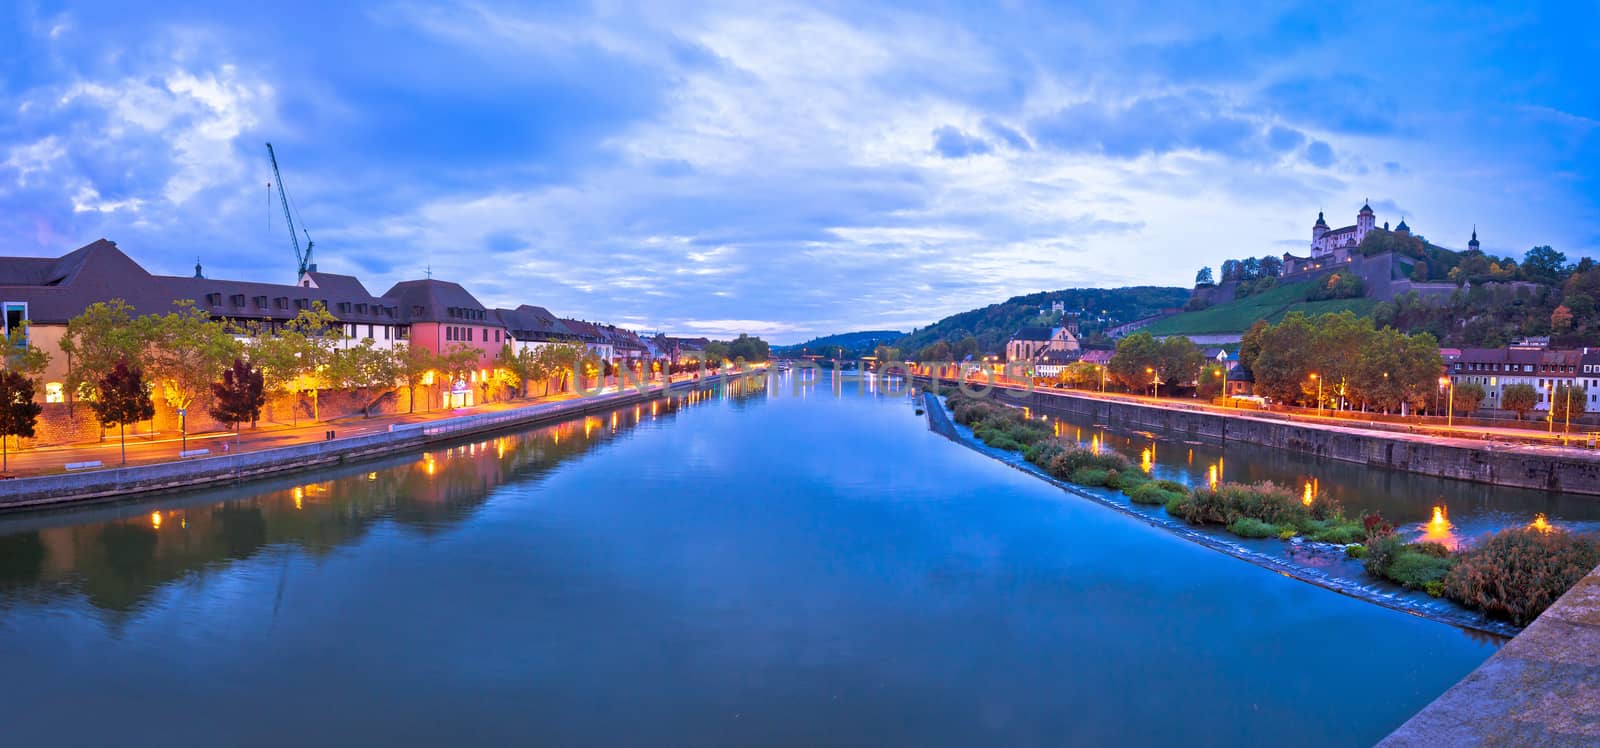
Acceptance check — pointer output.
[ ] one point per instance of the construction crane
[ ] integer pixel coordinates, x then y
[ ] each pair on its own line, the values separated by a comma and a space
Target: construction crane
304, 258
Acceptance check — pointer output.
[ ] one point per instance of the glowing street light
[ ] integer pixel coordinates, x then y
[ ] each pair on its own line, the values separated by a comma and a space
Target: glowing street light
1450, 404
1318, 380
1155, 382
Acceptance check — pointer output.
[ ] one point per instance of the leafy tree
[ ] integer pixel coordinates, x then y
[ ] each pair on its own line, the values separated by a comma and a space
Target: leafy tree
1271, 266
555, 362
97, 340
1519, 399
1567, 403
1286, 358
1213, 377
187, 349
1179, 361
965, 347
1544, 265
1561, 319
938, 351
749, 348
457, 362
885, 354
18, 411
121, 398
363, 368
1468, 397
21, 355
239, 396
518, 364
1081, 375
1204, 277
1135, 364
292, 356
412, 365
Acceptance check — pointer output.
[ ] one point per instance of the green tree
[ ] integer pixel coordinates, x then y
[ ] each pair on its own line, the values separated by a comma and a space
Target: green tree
413, 364
97, 340
1468, 397
748, 347
1212, 379
239, 396
186, 351
1135, 364
1179, 361
1544, 265
1519, 399
519, 364
1204, 277
21, 355
966, 346
1081, 375
1567, 403
121, 397
18, 411
365, 369
555, 362
1286, 359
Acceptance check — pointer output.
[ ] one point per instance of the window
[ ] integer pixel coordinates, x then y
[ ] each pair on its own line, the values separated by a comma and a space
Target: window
16, 314
369, 331
53, 393
385, 332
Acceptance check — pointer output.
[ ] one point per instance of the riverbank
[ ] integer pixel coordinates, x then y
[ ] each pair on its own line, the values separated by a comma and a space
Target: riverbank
1544, 468
139, 480
1413, 603
1542, 688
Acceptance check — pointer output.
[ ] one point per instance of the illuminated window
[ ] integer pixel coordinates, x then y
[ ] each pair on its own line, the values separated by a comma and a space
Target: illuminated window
53, 393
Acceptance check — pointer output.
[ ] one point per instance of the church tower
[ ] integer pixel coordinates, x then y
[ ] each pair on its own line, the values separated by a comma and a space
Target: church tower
1365, 220
1472, 246
1403, 229
1317, 230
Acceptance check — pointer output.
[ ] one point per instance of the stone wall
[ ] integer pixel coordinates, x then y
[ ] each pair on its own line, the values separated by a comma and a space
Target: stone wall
1479, 462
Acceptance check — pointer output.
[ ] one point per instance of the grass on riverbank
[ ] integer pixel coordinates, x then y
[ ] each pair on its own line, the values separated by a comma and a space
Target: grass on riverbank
1514, 574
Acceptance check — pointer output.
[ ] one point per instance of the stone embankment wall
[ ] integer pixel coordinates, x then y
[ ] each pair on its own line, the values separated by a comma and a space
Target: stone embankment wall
116, 483
1501, 465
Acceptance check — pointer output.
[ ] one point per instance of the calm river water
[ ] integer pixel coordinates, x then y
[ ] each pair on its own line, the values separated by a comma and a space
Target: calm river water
737, 568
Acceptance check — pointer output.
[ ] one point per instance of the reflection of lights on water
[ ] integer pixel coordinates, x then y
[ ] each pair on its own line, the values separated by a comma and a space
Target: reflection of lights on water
372, 476
1147, 458
299, 496
155, 520
1212, 476
1094, 444
1438, 529
1310, 494
427, 464
1540, 523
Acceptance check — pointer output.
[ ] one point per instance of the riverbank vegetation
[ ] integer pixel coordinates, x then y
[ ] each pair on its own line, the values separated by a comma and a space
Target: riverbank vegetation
1513, 575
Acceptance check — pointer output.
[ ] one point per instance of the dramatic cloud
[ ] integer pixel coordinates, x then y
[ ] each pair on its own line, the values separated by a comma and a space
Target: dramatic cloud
783, 168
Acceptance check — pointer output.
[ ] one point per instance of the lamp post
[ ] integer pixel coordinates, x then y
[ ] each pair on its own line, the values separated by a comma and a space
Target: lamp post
1318, 380
1155, 382
1551, 411
1102, 378
1450, 402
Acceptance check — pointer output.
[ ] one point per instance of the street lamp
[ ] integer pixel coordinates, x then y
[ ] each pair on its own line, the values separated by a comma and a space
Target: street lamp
1102, 378
1318, 380
1155, 382
1551, 411
1450, 403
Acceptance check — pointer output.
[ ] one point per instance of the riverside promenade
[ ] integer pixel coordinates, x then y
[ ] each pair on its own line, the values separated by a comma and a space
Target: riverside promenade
1545, 467
122, 482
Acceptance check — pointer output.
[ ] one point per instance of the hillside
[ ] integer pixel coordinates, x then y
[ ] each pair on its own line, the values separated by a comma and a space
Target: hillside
1098, 308
1270, 305
853, 343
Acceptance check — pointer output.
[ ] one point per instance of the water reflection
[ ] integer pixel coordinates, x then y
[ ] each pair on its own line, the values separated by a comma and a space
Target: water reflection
1447, 511
117, 556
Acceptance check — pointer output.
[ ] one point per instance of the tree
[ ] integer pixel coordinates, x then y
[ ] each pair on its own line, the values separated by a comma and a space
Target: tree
1519, 399
363, 368
413, 364
1134, 364
21, 355
1285, 359
1561, 319
1567, 402
1544, 265
1204, 277
121, 398
18, 411
520, 364
97, 340
239, 396
555, 362
1468, 397
965, 347
748, 348
1179, 361
1271, 266
187, 349
1212, 378
291, 355
1081, 375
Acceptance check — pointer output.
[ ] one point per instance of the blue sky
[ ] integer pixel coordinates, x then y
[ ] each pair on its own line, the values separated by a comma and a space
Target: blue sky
788, 169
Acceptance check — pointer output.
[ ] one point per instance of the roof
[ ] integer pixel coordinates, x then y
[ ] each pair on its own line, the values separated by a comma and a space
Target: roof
1241, 373
1402, 226
431, 300
1052, 356
1366, 207
530, 323
1320, 221
586, 331
1101, 357
58, 289
1033, 333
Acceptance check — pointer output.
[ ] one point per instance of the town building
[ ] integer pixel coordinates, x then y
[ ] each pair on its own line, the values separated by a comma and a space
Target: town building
534, 327
1494, 369
47, 292
1028, 342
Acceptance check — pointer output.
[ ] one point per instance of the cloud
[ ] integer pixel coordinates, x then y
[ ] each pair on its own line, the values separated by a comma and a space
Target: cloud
1011, 137
950, 142
1319, 154
1191, 120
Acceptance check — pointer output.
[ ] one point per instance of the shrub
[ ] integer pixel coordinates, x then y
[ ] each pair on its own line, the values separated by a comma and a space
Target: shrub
1284, 533
1417, 570
1073, 459
1343, 533
1132, 479
1250, 527
1154, 492
1089, 476
1229, 502
1355, 550
1381, 551
1042, 453
1515, 574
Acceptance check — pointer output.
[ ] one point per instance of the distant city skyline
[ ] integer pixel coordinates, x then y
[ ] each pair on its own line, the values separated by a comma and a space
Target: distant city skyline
782, 169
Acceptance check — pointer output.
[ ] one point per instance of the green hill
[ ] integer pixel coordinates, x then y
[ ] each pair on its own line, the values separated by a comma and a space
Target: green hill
853, 343
1270, 305
1097, 309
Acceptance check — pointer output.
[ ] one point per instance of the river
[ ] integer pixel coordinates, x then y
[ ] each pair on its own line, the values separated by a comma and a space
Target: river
751, 566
